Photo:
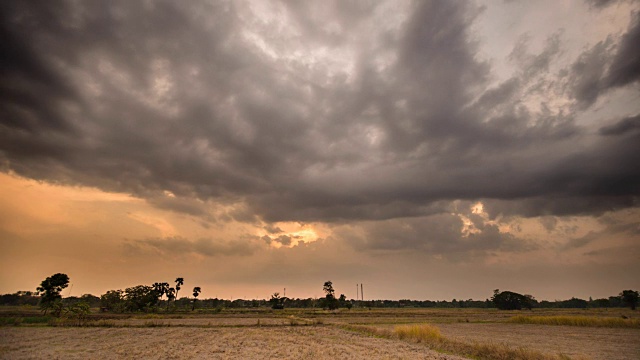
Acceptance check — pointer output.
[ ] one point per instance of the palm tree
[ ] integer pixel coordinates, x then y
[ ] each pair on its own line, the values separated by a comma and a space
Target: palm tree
179, 282
196, 292
161, 289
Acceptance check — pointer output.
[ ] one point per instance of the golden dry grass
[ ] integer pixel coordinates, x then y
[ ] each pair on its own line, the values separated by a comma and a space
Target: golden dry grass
430, 335
419, 333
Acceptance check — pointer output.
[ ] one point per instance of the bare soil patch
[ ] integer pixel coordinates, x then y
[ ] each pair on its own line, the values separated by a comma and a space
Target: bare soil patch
595, 343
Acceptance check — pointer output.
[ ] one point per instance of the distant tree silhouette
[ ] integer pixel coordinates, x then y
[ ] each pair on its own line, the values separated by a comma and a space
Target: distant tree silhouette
196, 292
629, 298
342, 300
49, 291
179, 282
277, 302
330, 301
140, 298
171, 296
508, 300
113, 300
160, 290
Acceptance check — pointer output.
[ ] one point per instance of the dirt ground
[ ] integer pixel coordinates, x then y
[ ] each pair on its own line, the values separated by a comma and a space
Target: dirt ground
282, 342
595, 343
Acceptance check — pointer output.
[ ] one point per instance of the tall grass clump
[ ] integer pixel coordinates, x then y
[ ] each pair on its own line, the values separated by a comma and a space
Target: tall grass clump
431, 337
419, 333
586, 321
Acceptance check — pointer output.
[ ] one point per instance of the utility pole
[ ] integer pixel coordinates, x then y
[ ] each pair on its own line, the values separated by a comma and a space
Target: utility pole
285, 292
361, 292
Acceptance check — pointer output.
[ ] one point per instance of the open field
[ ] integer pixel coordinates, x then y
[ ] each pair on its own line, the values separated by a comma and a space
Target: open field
317, 342
309, 333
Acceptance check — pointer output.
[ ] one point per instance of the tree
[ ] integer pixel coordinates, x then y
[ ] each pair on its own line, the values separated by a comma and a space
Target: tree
629, 298
179, 282
50, 289
330, 301
196, 292
113, 300
140, 298
342, 300
160, 289
171, 295
508, 300
328, 288
79, 311
277, 302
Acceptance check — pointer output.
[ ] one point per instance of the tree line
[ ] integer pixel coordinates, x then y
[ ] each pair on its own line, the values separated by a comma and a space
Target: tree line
161, 296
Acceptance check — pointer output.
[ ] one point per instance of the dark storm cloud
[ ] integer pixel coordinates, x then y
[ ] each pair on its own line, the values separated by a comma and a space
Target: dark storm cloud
624, 126
286, 119
599, 4
605, 67
625, 67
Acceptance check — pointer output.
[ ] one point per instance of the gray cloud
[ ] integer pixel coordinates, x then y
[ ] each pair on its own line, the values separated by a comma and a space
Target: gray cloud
630, 230
439, 235
600, 3
179, 246
272, 229
340, 112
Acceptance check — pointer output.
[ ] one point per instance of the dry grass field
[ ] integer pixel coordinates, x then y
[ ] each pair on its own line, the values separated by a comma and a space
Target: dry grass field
284, 342
317, 334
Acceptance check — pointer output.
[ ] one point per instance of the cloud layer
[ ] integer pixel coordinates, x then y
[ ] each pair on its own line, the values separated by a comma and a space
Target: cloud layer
380, 119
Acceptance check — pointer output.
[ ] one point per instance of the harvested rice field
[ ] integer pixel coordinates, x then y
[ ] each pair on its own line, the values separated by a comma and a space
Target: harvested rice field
317, 334
290, 342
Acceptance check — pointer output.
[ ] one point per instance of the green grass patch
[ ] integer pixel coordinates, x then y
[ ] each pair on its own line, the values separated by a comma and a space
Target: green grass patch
10, 321
24, 320
35, 320
587, 321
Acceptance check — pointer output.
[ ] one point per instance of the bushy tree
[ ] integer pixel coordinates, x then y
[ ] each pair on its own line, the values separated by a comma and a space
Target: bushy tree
113, 300
79, 312
49, 291
161, 289
629, 298
140, 298
277, 302
20, 298
508, 300
342, 300
171, 295
574, 303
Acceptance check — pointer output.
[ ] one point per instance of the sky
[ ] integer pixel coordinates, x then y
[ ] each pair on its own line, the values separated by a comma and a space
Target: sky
425, 149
